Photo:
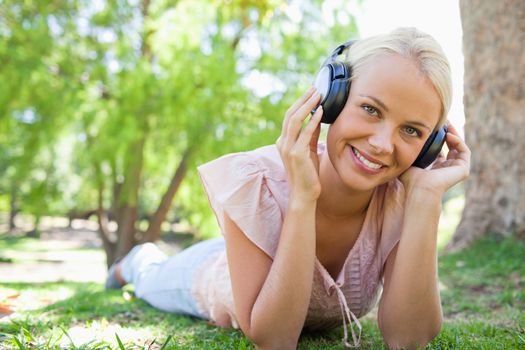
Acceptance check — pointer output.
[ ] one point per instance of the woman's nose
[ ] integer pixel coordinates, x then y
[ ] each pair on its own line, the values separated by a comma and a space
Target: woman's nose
381, 140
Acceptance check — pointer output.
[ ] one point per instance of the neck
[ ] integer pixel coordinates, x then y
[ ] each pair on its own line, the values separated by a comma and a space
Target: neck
337, 200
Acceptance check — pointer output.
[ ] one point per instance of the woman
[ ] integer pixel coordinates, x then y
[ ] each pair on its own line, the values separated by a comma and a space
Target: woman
312, 232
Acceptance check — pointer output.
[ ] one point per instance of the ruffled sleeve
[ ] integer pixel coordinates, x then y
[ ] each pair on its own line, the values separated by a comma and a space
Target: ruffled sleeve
241, 185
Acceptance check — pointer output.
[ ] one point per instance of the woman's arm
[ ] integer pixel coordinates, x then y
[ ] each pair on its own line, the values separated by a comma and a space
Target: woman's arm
410, 310
272, 296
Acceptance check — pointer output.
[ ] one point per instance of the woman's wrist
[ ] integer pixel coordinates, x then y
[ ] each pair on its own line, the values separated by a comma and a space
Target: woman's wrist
302, 202
424, 192
423, 197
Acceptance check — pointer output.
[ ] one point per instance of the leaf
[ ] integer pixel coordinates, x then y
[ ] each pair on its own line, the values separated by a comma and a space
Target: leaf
5, 309
13, 296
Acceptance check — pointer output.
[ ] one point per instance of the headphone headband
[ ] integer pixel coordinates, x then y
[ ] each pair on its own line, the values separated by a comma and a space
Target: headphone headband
341, 48
338, 51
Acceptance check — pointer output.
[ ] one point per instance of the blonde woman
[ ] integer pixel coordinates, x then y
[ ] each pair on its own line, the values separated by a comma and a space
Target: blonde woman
314, 234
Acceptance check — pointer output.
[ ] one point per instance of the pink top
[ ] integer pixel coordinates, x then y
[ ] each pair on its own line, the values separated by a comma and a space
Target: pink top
251, 188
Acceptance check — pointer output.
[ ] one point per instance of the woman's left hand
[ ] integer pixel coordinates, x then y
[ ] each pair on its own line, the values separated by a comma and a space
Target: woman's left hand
444, 172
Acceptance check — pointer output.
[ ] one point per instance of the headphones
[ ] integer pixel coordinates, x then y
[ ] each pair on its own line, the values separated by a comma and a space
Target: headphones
333, 83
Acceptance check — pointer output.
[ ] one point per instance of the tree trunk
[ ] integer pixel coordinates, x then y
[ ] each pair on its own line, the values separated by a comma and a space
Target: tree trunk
153, 232
493, 46
127, 193
35, 232
129, 198
13, 209
110, 246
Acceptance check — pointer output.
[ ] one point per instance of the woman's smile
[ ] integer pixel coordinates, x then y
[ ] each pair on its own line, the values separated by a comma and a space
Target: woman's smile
370, 166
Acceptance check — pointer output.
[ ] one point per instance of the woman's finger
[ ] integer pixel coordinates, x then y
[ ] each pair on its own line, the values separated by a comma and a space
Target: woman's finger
291, 111
452, 129
295, 122
307, 134
454, 142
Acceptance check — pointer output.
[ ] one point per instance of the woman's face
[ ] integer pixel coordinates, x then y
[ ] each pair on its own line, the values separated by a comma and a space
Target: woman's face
390, 112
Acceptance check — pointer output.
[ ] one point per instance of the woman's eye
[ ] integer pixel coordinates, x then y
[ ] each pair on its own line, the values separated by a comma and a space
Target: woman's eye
412, 131
370, 110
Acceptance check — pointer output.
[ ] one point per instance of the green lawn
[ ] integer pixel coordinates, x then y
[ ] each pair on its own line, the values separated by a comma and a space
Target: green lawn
483, 295
482, 289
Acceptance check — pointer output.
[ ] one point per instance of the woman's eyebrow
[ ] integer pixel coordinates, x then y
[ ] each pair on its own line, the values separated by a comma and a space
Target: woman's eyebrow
418, 123
383, 106
376, 100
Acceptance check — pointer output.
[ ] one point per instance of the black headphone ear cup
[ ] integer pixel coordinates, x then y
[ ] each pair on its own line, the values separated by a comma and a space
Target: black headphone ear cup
333, 82
431, 148
335, 101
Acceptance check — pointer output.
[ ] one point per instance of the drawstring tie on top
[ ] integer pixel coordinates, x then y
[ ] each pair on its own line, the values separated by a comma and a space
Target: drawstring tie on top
348, 314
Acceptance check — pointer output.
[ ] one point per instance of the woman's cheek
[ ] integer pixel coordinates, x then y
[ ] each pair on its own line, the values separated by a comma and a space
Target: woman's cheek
410, 154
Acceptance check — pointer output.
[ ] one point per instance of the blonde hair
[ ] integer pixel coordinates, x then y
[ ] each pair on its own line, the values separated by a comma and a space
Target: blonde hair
412, 44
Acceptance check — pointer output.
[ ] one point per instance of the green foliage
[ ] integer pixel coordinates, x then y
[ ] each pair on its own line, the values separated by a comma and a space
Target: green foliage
37, 97
95, 92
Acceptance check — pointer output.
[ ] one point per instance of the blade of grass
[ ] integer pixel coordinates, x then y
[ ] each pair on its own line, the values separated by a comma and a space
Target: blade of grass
20, 345
120, 345
166, 342
49, 344
49, 341
70, 339
27, 335
151, 344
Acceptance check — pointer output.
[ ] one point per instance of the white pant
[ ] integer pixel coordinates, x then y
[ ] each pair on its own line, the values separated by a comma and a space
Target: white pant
166, 282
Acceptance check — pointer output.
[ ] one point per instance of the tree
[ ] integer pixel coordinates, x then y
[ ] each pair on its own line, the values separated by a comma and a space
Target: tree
36, 97
182, 100
146, 91
160, 107
493, 37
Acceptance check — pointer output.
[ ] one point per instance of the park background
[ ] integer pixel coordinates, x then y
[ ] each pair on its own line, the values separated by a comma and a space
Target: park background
107, 107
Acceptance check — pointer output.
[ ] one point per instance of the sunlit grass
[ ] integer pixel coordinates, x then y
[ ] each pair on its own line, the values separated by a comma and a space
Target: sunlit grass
482, 290
84, 315
483, 296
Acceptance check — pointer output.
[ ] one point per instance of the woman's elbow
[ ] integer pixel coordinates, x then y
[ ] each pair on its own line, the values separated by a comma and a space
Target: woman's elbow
276, 345
273, 343
268, 341
417, 338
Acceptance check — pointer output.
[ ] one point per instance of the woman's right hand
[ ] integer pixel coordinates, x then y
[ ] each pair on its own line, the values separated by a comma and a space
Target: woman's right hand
297, 146
272, 293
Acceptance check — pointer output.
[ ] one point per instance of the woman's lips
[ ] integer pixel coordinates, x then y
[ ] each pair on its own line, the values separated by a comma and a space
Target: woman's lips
365, 163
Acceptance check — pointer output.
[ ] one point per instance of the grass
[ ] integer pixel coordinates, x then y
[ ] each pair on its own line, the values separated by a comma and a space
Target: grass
483, 296
482, 289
